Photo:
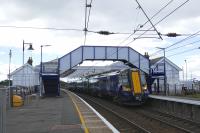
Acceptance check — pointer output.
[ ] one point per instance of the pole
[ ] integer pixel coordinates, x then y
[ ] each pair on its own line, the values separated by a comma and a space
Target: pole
41, 71
41, 59
9, 83
10, 54
183, 73
165, 84
23, 53
186, 69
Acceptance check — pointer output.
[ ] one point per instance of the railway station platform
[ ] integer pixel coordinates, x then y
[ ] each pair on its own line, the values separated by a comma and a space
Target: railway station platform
66, 113
179, 106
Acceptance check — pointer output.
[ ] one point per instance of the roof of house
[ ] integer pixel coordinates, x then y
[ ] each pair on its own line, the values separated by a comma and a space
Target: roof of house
154, 61
160, 59
20, 68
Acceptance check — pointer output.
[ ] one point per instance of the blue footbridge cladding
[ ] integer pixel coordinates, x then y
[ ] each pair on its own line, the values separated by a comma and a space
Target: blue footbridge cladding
66, 63
114, 53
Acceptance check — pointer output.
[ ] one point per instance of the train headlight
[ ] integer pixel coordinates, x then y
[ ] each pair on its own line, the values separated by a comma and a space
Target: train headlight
145, 88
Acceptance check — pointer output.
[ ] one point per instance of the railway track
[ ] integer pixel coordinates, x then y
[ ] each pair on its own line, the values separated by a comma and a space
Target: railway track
123, 124
184, 124
135, 119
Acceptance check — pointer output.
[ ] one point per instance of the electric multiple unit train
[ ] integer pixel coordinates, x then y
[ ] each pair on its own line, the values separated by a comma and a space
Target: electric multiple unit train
127, 87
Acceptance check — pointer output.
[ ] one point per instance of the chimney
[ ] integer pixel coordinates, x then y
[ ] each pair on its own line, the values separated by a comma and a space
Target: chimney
30, 61
146, 55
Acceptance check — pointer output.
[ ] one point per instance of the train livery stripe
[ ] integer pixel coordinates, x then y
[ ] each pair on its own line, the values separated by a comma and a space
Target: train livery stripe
136, 82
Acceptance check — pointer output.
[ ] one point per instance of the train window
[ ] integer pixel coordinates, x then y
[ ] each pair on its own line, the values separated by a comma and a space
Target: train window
143, 79
123, 79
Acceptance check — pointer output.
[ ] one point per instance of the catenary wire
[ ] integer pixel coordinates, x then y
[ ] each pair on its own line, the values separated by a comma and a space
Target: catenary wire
145, 22
184, 52
159, 21
39, 28
154, 25
176, 43
183, 46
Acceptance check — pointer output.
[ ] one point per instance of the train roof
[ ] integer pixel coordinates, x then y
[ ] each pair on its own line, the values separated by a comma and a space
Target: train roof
106, 74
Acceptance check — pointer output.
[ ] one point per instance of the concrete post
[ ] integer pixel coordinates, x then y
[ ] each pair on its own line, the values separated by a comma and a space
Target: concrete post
3, 110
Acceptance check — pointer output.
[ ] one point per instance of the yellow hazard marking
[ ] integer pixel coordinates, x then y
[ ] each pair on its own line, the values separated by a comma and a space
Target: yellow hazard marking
80, 116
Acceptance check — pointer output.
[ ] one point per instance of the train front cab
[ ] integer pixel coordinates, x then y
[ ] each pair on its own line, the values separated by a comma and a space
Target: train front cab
132, 87
139, 86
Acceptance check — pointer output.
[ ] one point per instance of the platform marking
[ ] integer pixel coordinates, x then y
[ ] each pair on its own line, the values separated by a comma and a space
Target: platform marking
80, 116
111, 127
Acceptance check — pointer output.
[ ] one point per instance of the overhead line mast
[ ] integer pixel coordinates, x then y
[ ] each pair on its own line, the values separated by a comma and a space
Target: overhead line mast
85, 28
87, 18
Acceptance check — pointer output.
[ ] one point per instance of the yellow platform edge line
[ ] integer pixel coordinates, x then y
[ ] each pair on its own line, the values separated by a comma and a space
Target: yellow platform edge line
80, 116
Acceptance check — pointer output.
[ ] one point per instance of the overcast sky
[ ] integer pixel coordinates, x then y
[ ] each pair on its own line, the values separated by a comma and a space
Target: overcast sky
111, 15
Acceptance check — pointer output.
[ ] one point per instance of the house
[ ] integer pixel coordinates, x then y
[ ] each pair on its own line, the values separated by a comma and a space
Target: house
25, 76
172, 75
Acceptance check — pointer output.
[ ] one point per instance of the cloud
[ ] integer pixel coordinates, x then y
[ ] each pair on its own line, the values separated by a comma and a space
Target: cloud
5, 70
112, 15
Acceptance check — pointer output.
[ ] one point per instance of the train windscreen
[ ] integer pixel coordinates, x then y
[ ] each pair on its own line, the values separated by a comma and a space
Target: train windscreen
143, 81
124, 80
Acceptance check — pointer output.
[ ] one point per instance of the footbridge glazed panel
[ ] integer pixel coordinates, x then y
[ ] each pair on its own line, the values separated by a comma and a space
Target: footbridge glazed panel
114, 53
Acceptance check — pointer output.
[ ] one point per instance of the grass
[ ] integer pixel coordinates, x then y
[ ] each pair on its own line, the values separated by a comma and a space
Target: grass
194, 96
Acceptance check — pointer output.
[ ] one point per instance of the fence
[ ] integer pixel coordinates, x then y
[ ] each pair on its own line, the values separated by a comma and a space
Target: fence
177, 89
3, 102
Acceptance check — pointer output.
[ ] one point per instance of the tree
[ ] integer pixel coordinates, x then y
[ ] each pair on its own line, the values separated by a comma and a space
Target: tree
5, 82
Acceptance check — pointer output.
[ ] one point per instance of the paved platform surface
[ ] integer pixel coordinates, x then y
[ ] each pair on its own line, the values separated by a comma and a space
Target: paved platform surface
90, 118
177, 99
47, 115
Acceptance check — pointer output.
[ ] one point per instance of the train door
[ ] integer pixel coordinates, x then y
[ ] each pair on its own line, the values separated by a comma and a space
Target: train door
135, 76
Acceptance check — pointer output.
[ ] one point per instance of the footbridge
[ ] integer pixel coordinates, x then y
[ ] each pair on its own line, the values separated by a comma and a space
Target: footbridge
127, 55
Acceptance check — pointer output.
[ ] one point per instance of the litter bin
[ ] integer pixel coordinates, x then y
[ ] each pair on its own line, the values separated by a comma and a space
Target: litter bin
17, 101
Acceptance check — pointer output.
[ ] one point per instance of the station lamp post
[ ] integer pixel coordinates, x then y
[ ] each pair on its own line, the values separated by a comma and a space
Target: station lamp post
41, 68
165, 81
30, 48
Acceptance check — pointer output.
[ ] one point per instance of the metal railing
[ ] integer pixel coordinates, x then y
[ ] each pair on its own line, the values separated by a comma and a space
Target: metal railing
177, 89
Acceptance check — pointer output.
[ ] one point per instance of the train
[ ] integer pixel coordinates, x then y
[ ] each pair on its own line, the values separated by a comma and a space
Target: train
126, 87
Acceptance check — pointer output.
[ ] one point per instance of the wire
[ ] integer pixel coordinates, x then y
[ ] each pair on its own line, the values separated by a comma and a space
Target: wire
185, 39
137, 29
149, 28
184, 51
191, 36
153, 26
159, 11
160, 20
183, 46
39, 28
